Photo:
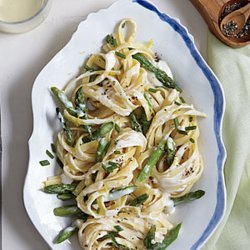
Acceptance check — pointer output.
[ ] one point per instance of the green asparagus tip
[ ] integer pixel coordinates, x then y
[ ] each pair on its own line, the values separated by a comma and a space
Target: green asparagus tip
67, 210
191, 196
66, 233
60, 188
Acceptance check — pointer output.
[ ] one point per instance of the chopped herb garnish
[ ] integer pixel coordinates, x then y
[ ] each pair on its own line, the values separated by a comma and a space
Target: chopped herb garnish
107, 236
138, 200
53, 147
182, 132
44, 163
117, 128
110, 167
98, 210
111, 235
182, 99
190, 128
117, 152
177, 103
190, 118
111, 40
118, 228
176, 122
152, 90
192, 140
50, 155
120, 54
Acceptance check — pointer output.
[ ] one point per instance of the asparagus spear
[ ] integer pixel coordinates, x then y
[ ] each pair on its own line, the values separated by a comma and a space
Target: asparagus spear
68, 132
138, 200
159, 74
103, 142
171, 150
65, 197
134, 123
66, 233
148, 101
80, 100
188, 197
102, 149
80, 103
153, 159
65, 102
69, 211
145, 124
169, 238
150, 237
60, 188
103, 130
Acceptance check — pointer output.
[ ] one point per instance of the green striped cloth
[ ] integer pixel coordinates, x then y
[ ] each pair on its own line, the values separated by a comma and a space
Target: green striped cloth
232, 67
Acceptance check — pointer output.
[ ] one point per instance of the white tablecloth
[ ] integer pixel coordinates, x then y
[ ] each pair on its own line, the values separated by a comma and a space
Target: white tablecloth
22, 57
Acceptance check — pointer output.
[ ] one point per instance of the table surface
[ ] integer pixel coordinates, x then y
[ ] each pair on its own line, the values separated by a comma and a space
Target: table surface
22, 57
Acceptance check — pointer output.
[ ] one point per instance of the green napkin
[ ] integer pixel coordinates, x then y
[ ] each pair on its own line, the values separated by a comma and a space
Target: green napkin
232, 67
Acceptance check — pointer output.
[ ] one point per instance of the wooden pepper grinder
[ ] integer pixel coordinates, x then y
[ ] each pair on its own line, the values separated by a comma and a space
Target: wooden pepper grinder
213, 12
